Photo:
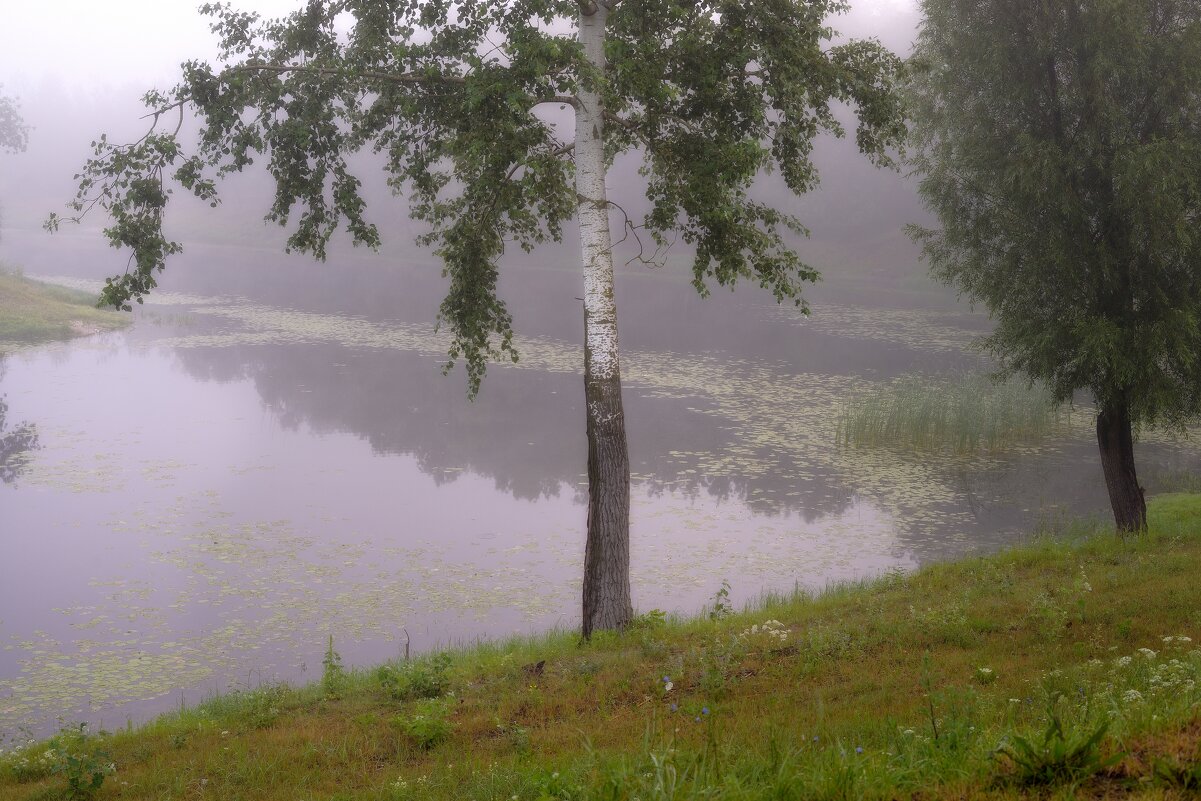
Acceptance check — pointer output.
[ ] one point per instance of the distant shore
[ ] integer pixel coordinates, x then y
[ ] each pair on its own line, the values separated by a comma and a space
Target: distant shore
33, 312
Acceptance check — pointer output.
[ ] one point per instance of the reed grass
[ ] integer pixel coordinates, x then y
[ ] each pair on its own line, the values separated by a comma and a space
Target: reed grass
966, 414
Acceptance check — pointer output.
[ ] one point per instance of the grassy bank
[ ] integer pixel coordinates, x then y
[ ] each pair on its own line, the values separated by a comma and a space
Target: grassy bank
31, 311
1066, 668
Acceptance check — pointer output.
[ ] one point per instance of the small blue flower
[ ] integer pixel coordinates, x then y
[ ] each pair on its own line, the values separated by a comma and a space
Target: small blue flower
666, 679
704, 710
858, 749
674, 707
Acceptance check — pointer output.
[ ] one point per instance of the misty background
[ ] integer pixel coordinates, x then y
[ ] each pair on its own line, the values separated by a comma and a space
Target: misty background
79, 80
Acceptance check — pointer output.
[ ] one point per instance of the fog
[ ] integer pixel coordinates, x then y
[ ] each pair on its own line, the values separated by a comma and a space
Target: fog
142, 42
77, 80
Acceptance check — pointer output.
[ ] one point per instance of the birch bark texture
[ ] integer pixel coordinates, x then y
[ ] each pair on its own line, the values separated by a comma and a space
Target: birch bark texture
606, 587
710, 93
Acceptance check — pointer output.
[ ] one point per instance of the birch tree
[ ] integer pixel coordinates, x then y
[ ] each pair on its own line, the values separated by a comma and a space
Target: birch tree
452, 94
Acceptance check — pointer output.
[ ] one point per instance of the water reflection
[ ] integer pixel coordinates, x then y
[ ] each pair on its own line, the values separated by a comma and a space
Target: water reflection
755, 432
15, 444
523, 431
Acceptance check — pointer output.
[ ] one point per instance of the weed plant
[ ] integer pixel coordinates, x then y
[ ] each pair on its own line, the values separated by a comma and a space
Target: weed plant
421, 678
73, 756
429, 723
1061, 757
333, 674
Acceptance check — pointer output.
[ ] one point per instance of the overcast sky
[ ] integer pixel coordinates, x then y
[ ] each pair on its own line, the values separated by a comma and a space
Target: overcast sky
110, 43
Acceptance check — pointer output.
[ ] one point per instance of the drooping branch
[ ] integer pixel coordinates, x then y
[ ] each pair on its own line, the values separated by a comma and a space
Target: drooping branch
414, 78
630, 228
589, 7
629, 125
404, 77
564, 100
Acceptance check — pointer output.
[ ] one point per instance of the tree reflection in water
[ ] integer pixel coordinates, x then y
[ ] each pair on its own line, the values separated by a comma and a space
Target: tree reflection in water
15, 445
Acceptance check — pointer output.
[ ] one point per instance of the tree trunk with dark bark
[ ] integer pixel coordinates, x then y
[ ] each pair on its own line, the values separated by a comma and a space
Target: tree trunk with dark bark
1116, 440
607, 552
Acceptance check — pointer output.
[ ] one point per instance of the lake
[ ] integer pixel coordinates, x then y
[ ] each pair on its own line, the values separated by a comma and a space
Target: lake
270, 455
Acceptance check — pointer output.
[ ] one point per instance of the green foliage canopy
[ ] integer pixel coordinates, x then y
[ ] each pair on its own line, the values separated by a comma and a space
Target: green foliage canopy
712, 93
1060, 146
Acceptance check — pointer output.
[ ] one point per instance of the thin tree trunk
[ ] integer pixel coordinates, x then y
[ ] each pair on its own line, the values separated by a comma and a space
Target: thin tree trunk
607, 552
1116, 441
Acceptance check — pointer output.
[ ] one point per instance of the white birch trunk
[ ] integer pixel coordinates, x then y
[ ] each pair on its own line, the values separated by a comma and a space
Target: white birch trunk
606, 591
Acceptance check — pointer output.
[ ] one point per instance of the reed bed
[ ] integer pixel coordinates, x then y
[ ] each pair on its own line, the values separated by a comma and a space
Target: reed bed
966, 414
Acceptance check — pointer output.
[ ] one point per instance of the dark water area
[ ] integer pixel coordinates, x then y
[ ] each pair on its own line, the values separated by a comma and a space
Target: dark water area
270, 454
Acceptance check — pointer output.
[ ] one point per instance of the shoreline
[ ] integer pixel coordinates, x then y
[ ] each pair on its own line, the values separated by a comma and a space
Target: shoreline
35, 313
840, 683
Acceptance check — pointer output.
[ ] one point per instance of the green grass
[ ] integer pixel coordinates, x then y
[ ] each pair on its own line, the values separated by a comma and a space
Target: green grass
965, 415
1021, 674
31, 311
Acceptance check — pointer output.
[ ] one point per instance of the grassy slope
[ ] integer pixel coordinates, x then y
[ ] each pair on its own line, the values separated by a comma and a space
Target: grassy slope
31, 311
890, 667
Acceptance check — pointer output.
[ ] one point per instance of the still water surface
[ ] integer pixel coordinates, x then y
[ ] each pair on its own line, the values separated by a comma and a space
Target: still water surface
271, 455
